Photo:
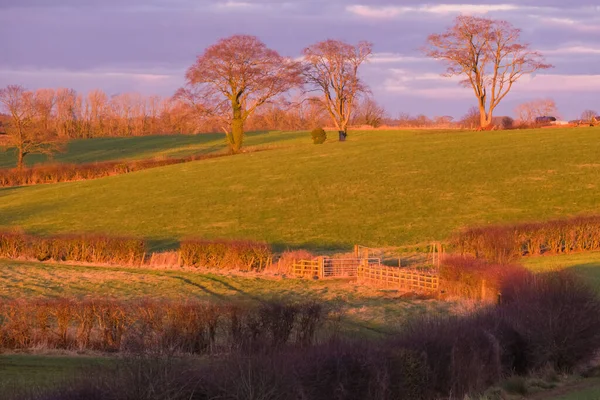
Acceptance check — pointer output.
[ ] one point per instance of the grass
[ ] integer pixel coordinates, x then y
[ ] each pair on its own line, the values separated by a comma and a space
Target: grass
590, 393
584, 265
366, 310
144, 147
379, 188
19, 372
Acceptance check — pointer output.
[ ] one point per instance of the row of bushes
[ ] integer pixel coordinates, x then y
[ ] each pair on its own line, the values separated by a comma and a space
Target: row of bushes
242, 255
220, 254
81, 248
157, 327
550, 321
506, 243
476, 279
53, 173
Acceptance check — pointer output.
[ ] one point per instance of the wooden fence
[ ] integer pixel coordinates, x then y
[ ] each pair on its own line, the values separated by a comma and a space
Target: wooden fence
399, 278
308, 268
325, 267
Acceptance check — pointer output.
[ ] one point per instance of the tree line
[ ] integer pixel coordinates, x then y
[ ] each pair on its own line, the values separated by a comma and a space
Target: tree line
239, 82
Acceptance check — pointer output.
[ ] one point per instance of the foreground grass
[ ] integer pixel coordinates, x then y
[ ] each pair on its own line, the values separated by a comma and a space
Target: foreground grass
27, 372
379, 188
144, 147
365, 310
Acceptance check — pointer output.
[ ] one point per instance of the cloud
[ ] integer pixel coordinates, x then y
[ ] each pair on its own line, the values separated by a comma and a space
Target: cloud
554, 83
577, 49
386, 12
395, 58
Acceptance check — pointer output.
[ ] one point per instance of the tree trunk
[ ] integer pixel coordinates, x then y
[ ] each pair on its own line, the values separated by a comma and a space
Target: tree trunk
237, 129
485, 119
20, 157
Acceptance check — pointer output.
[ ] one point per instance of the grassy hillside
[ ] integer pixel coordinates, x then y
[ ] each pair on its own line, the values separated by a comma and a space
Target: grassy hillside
133, 148
378, 188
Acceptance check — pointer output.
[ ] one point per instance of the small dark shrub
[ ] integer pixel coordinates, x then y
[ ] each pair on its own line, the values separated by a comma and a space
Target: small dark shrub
319, 136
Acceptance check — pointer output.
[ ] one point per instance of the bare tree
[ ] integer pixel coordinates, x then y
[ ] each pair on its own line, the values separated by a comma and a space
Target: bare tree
369, 112
26, 130
331, 67
489, 55
528, 112
238, 73
589, 116
471, 119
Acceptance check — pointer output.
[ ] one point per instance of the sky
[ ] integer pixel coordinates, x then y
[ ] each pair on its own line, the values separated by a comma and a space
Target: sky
146, 45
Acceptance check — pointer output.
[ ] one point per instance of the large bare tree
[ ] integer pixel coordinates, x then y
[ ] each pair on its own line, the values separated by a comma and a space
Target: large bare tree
237, 75
27, 130
331, 67
489, 55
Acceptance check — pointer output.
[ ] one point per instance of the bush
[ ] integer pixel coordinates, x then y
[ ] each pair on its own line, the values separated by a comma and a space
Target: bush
319, 136
503, 244
156, 327
476, 279
52, 173
243, 255
287, 258
557, 318
81, 248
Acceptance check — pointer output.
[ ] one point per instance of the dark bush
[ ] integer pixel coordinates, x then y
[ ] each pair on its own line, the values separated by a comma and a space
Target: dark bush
319, 136
243, 255
557, 318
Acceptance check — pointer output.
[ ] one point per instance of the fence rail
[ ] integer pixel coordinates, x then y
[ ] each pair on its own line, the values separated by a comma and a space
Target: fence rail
399, 278
325, 267
308, 268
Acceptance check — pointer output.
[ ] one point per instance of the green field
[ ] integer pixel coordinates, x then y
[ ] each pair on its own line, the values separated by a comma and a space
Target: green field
380, 188
144, 147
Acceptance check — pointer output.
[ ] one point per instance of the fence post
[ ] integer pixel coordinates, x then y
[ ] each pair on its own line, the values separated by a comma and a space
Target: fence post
321, 261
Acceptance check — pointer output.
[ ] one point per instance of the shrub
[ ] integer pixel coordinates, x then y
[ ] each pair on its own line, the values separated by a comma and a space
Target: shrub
476, 279
81, 248
287, 258
503, 244
319, 136
157, 327
557, 317
52, 173
244, 255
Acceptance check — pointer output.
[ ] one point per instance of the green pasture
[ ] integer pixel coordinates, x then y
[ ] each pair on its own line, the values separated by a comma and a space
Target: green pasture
143, 147
380, 188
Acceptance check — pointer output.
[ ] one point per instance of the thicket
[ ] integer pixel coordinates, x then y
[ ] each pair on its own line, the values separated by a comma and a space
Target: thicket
221, 254
156, 327
80, 248
476, 279
504, 244
53, 173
